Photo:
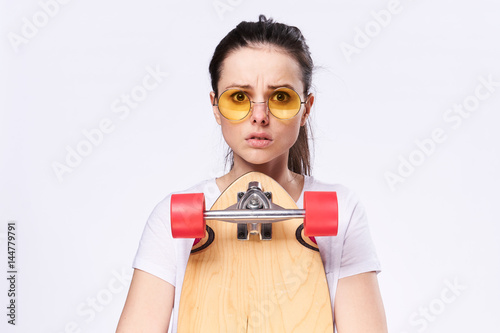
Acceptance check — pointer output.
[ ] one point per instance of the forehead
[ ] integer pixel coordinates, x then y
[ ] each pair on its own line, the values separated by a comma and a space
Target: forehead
260, 67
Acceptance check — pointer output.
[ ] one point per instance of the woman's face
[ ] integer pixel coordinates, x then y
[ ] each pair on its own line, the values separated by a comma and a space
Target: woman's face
260, 137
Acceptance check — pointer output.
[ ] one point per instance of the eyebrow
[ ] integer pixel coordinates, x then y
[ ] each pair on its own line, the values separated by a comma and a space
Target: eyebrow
270, 87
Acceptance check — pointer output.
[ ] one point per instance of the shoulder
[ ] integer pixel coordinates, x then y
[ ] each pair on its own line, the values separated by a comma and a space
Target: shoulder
351, 212
352, 250
345, 195
207, 187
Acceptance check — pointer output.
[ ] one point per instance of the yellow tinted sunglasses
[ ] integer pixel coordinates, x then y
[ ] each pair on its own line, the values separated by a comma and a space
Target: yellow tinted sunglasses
283, 103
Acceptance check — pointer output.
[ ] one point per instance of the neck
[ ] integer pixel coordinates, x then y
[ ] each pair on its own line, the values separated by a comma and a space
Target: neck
276, 169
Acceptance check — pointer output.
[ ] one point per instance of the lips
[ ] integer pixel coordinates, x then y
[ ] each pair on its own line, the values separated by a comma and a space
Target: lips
259, 140
258, 136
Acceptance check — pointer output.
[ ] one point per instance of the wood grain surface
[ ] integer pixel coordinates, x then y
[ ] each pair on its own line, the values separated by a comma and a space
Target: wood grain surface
255, 286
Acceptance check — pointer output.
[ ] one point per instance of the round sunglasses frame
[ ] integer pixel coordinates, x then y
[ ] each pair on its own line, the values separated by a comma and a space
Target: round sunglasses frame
266, 102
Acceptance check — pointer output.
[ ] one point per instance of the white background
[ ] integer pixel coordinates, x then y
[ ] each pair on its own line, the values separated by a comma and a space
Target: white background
76, 234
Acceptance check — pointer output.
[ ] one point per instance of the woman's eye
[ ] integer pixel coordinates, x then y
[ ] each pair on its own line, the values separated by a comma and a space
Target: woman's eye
281, 97
239, 97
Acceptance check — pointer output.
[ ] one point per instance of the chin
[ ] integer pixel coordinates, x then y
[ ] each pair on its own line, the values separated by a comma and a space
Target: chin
255, 159
262, 159
258, 161
259, 157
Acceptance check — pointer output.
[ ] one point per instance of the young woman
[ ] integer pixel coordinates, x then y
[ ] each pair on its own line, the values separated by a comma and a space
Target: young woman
256, 68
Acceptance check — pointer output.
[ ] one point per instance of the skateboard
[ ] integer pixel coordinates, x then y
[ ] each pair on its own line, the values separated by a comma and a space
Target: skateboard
254, 265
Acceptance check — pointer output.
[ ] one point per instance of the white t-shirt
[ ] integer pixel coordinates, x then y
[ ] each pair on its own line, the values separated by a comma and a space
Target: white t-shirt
350, 252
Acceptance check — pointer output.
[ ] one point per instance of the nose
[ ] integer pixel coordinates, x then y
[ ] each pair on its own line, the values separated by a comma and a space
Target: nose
260, 114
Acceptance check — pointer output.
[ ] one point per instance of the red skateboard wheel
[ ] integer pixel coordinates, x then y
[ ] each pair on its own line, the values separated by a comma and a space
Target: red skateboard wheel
321, 217
186, 215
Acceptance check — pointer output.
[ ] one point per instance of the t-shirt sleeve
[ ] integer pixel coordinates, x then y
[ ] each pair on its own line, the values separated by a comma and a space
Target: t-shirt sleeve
358, 253
156, 253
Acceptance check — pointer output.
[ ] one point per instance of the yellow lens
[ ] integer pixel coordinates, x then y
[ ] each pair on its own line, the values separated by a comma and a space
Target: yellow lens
284, 103
234, 104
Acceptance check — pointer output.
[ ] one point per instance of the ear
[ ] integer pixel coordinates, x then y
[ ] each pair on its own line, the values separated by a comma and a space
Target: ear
308, 106
215, 109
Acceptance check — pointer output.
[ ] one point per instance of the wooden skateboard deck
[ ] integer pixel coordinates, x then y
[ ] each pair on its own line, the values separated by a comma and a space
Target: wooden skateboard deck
254, 285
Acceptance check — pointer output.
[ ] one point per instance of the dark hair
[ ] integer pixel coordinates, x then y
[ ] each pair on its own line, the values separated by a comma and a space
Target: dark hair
289, 39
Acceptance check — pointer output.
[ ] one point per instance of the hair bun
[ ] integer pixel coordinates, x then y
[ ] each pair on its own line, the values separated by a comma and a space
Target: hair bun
264, 19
